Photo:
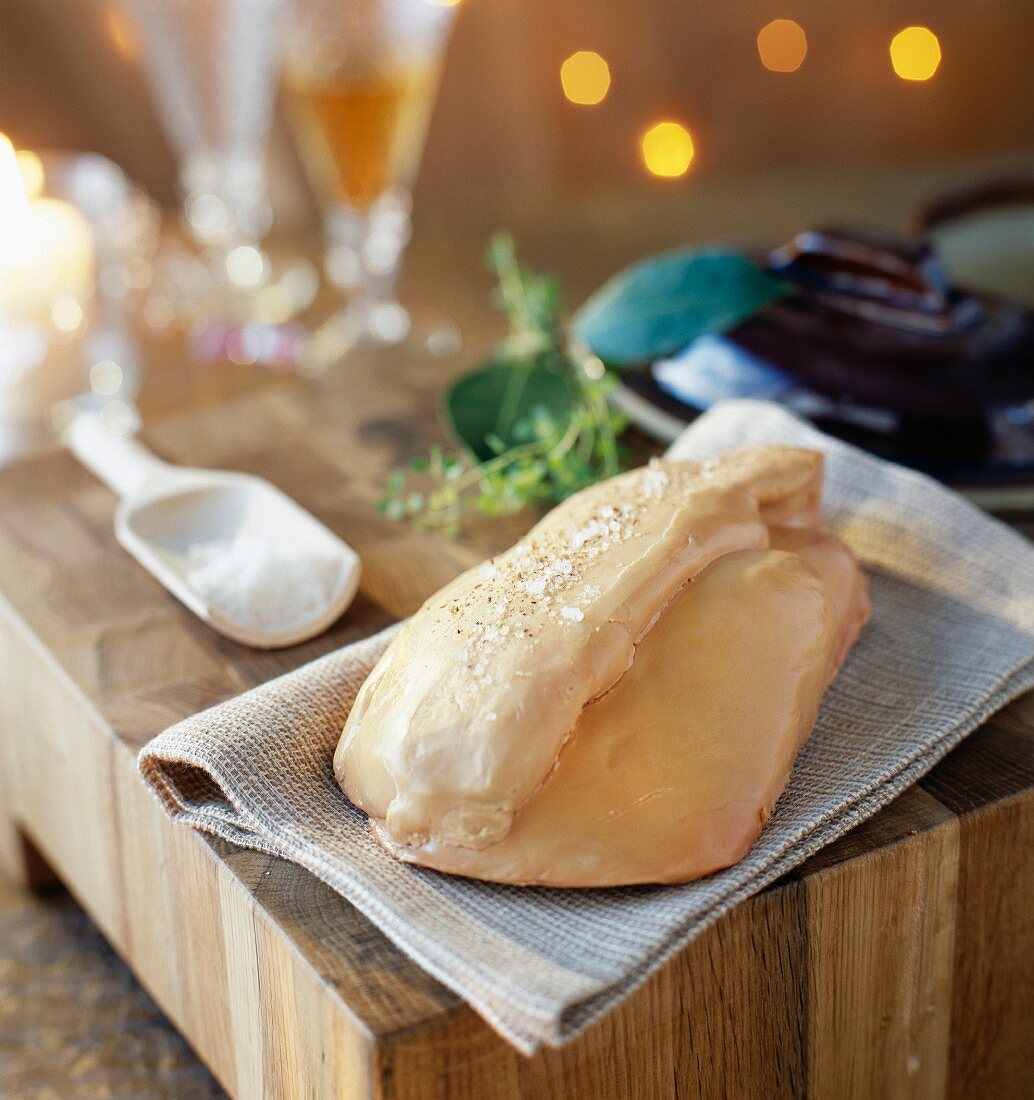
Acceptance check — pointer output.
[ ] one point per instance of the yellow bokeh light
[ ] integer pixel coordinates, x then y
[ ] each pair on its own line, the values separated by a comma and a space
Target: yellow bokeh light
667, 149
915, 53
782, 46
444, 3
585, 77
30, 168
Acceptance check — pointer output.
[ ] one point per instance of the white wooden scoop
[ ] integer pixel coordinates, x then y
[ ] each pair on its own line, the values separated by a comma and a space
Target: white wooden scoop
238, 552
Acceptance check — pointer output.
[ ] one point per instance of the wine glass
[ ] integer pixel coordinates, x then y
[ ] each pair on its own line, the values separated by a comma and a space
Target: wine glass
212, 66
359, 83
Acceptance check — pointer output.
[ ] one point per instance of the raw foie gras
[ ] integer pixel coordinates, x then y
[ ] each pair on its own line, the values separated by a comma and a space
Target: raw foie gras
618, 698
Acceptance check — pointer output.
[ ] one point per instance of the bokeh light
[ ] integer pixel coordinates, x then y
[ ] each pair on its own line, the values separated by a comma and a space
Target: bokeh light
585, 77
67, 314
245, 266
782, 46
667, 149
915, 53
106, 377
119, 418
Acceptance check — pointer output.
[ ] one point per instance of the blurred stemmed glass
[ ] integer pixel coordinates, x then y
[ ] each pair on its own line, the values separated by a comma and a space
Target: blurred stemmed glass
212, 66
359, 83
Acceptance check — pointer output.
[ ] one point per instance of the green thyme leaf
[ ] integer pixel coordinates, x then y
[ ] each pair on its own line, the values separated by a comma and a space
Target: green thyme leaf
533, 425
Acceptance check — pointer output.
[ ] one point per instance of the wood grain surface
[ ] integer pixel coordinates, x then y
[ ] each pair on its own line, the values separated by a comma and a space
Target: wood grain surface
895, 963
74, 1023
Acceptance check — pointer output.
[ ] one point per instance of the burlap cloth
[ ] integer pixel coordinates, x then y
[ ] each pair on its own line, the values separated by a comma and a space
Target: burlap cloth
951, 641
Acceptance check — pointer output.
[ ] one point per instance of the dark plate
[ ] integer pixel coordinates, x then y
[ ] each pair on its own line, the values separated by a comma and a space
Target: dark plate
1004, 480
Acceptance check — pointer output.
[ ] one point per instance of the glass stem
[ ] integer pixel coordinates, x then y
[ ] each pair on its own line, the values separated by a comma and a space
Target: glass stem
225, 202
365, 248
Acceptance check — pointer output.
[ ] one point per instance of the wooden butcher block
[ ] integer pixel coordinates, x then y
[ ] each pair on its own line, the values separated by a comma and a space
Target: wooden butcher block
896, 963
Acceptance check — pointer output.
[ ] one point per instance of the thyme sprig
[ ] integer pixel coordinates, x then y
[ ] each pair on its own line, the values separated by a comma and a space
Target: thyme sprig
533, 452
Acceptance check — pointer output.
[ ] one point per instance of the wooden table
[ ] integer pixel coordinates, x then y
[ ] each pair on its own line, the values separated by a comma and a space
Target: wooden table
895, 963
74, 1022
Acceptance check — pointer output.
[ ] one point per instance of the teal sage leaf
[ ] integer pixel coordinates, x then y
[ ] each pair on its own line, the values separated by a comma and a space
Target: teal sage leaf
660, 305
494, 407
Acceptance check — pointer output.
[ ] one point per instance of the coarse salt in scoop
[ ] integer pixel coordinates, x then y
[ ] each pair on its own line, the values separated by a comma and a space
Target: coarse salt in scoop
238, 552
264, 583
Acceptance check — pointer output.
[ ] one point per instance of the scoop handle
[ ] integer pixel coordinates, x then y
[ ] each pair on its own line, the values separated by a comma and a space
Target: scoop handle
122, 464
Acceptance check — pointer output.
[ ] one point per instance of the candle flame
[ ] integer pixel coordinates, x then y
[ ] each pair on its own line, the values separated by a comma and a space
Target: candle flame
121, 33
15, 211
14, 201
30, 168
46, 247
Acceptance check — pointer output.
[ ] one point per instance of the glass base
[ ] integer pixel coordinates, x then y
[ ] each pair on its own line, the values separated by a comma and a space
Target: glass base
365, 247
243, 286
364, 251
359, 322
382, 323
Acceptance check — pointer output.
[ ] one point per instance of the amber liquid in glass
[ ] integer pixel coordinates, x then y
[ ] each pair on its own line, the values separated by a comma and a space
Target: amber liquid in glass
362, 131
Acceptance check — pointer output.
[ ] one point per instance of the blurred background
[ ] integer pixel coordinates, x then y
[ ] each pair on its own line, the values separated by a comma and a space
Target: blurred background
263, 164
71, 77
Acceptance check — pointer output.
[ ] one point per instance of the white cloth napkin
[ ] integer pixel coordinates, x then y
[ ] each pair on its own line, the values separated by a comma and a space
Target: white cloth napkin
951, 641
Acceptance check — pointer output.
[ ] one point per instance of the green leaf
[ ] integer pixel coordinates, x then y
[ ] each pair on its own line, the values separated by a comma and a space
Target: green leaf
535, 425
661, 304
491, 405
